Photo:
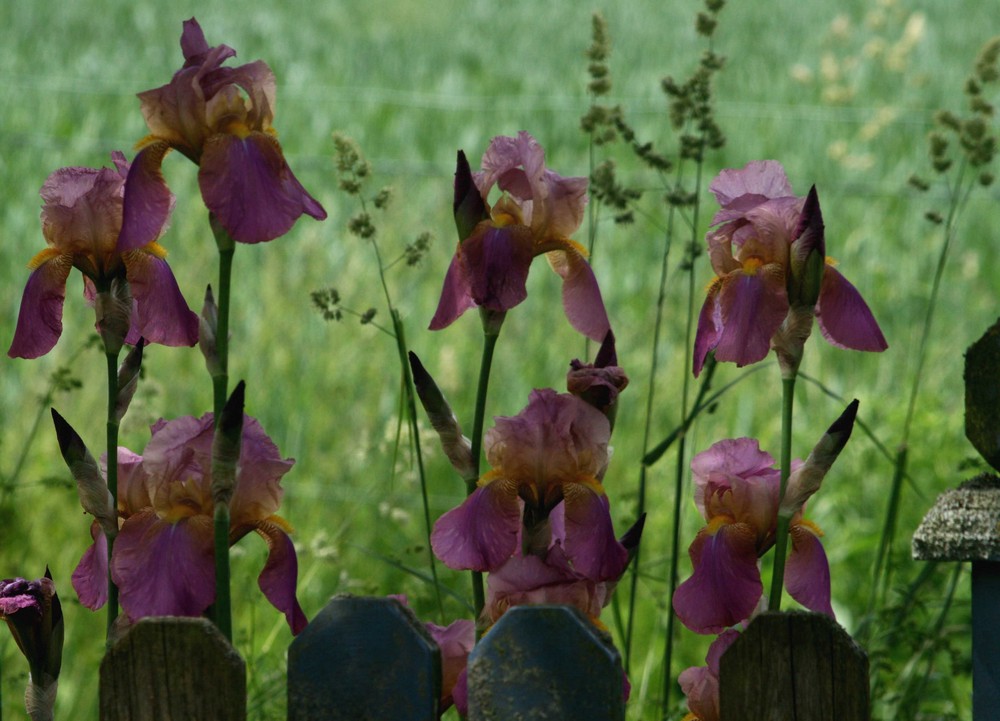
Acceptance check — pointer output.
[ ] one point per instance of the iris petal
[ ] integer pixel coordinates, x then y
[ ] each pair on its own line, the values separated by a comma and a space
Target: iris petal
844, 318
481, 533
249, 187
162, 568
39, 322
277, 579
725, 586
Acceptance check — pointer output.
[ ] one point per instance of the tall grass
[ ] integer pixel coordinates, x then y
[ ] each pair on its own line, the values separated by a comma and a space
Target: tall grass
843, 95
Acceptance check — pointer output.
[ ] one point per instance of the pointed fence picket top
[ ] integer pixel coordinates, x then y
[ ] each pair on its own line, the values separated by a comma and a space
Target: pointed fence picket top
545, 662
794, 666
364, 659
167, 668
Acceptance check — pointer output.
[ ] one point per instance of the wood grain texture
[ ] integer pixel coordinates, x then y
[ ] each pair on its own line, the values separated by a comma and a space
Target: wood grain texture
794, 666
173, 669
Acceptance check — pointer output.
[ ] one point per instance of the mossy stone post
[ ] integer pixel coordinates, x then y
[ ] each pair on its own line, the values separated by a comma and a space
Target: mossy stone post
794, 666
364, 659
171, 667
545, 662
963, 523
962, 526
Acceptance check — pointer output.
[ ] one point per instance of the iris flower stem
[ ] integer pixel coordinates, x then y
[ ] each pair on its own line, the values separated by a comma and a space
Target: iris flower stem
486, 363
781, 534
220, 392
112, 445
223, 602
411, 412
220, 376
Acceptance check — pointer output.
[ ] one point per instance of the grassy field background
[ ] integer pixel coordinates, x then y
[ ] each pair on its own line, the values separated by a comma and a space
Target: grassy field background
842, 94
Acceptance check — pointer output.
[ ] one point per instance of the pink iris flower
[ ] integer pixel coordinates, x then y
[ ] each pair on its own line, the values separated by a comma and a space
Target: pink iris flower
536, 214
542, 496
81, 219
701, 683
736, 490
163, 561
762, 238
220, 118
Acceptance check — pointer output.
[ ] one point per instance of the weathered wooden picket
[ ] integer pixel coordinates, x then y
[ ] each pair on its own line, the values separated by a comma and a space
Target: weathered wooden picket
367, 659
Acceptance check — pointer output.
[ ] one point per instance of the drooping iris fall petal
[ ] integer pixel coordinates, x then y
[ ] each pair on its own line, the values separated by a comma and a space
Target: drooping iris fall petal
248, 185
481, 533
844, 318
277, 580
164, 568
807, 572
725, 585
39, 321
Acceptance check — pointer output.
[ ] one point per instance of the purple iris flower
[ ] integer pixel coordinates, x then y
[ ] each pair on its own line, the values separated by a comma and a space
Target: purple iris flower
536, 214
163, 562
760, 249
220, 118
81, 219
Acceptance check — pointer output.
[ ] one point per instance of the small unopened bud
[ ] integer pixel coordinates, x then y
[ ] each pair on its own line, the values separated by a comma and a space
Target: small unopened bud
95, 497
599, 383
806, 480
34, 616
807, 255
128, 379
469, 206
208, 325
226, 446
456, 447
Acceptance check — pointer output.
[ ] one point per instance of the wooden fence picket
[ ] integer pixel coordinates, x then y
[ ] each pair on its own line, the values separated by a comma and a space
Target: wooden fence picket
545, 662
364, 659
172, 669
794, 666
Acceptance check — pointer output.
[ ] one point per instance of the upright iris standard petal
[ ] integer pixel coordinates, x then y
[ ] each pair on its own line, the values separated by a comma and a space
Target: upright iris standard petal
536, 215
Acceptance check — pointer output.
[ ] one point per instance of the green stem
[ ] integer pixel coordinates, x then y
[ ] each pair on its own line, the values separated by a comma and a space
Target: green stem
112, 447
781, 535
222, 610
220, 377
223, 602
486, 363
411, 411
